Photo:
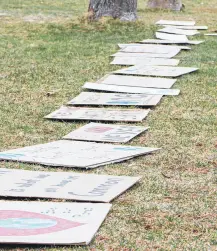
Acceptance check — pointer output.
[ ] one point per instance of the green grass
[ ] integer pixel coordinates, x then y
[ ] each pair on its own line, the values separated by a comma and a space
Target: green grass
174, 206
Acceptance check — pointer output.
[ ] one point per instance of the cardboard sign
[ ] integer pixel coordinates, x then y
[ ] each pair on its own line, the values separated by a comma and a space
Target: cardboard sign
139, 44
188, 27
211, 34
172, 37
148, 48
98, 114
129, 89
97, 98
50, 222
106, 133
159, 41
134, 81
176, 23
63, 185
80, 154
172, 30
145, 55
161, 71
144, 61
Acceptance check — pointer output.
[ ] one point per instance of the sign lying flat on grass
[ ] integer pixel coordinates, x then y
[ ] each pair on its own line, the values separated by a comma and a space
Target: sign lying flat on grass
98, 114
98, 98
80, 154
50, 222
63, 185
161, 71
145, 55
129, 89
172, 37
172, 30
126, 45
144, 61
106, 133
134, 81
159, 41
148, 48
211, 34
188, 27
176, 23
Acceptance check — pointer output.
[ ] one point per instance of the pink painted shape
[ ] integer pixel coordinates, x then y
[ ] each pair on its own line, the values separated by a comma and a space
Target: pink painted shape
61, 225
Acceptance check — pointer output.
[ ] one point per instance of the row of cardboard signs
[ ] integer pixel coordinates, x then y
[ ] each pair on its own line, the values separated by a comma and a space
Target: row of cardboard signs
77, 223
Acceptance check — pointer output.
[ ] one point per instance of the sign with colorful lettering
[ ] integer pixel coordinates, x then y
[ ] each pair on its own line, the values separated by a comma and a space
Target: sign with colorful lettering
98, 114
176, 23
144, 61
161, 71
172, 37
172, 30
136, 81
67, 153
50, 223
145, 55
129, 89
99, 98
106, 133
149, 48
63, 185
159, 41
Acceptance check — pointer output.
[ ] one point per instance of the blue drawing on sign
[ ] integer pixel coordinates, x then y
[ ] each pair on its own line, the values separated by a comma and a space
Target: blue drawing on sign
11, 155
122, 102
27, 223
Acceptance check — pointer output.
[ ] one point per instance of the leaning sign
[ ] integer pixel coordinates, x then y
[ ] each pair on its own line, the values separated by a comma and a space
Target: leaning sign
97, 98
79, 154
106, 133
98, 114
50, 222
63, 185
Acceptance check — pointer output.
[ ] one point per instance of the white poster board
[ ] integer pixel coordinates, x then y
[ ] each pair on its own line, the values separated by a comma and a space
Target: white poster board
98, 114
161, 71
172, 37
98, 98
106, 133
63, 185
144, 61
211, 34
176, 23
135, 81
50, 223
188, 27
79, 154
149, 48
159, 41
129, 89
141, 44
172, 30
145, 55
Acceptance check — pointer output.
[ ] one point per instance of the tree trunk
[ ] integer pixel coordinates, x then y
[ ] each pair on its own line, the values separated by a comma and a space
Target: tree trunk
166, 4
123, 9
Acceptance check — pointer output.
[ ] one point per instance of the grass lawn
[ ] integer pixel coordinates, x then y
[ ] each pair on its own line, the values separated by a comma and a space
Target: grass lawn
47, 46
